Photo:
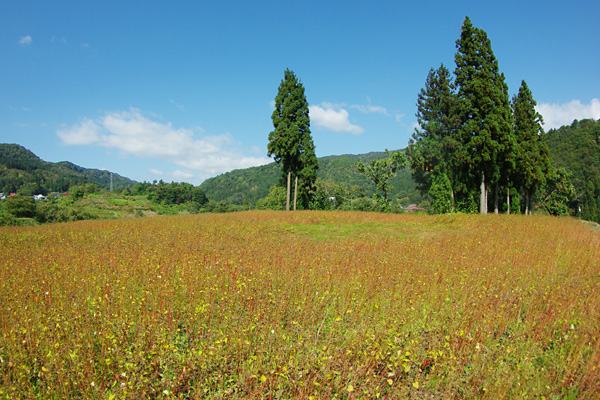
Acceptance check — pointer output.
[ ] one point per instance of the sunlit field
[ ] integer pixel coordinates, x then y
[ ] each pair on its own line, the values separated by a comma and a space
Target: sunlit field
271, 305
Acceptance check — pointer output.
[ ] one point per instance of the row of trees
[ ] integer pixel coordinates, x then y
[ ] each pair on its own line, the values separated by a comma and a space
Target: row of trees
475, 148
473, 139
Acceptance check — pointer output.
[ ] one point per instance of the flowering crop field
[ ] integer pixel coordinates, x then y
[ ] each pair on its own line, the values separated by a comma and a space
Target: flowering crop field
270, 305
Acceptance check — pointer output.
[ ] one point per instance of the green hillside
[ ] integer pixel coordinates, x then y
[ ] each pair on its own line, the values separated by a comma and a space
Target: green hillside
576, 148
23, 172
252, 184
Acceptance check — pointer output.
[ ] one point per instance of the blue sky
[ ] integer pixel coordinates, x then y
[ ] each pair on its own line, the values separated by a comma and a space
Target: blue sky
182, 91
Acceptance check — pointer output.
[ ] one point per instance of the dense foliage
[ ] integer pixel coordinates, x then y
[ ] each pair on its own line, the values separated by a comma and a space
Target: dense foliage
176, 193
380, 172
575, 149
243, 186
301, 305
23, 172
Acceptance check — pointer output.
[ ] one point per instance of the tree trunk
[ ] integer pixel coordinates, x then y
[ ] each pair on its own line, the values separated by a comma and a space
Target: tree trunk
483, 196
295, 192
527, 202
452, 200
287, 203
508, 201
496, 198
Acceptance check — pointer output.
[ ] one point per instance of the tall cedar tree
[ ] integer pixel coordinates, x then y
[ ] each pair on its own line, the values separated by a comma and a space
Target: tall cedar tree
532, 158
484, 108
290, 142
435, 149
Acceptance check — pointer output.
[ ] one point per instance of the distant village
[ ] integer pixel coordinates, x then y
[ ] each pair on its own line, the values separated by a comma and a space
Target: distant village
37, 196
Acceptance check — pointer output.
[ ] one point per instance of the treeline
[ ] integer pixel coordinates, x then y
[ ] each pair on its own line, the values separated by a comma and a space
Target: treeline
178, 197
20, 210
476, 149
169, 193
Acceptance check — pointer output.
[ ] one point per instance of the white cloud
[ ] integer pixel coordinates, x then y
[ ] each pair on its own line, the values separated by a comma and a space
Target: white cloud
334, 118
557, 115
134, 134
25, 40
84, 133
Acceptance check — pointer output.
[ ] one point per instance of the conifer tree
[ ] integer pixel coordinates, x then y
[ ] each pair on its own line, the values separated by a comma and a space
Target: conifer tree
290, 142
485, 115
532, 158
435, 148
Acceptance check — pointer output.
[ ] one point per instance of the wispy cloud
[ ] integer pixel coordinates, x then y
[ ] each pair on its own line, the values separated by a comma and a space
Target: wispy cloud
334, 118
59, 40
25, 40
556, 115
180, 106
370, 108
176, 175
134, 134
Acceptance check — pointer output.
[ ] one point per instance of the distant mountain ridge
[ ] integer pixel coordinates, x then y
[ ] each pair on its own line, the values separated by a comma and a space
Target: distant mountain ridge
21, 171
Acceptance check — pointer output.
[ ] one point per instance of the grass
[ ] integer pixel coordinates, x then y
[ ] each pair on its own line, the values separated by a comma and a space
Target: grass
301, 305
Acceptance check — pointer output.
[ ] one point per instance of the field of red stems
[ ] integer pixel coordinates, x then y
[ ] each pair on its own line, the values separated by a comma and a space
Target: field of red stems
301, 305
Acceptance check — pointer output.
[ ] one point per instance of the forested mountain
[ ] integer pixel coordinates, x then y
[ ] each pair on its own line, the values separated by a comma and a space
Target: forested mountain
251, 184
23, 172
576, 148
